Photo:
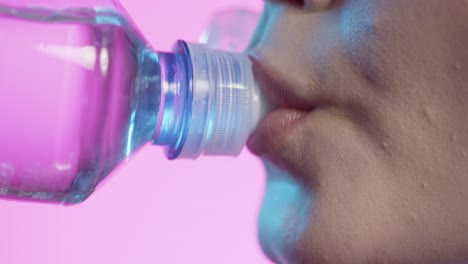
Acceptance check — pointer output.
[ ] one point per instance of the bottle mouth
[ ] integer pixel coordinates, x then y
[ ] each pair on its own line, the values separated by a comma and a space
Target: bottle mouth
210, 102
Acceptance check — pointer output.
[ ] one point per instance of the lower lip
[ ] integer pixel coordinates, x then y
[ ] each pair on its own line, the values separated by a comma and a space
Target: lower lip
274, 129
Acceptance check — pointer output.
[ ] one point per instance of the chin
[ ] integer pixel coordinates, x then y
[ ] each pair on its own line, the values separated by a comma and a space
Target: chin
284, 215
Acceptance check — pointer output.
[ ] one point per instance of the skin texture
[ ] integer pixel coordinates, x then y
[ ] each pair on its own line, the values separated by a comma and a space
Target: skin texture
380, 146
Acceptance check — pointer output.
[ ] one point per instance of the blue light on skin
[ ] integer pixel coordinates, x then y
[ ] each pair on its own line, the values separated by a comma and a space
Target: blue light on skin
285, 214
287, 203
357, 27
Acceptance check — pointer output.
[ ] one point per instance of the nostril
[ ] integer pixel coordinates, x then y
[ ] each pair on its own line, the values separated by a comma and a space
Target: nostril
311, 5
315, 5
296, 3
299, 3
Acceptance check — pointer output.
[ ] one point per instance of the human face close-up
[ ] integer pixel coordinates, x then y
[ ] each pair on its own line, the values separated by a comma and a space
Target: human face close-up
371, 131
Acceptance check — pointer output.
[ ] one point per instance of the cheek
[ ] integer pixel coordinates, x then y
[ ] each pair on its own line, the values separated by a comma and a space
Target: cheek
284, 215
356, 21
358, 37
354, 192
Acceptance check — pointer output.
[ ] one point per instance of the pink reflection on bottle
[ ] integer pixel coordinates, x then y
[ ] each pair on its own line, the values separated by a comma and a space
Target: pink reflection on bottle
67, 83
80, 90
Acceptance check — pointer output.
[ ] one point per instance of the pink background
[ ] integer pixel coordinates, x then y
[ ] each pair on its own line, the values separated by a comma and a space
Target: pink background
151, 210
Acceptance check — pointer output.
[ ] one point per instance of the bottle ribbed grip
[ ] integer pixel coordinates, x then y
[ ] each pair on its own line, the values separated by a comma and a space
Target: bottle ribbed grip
225, 103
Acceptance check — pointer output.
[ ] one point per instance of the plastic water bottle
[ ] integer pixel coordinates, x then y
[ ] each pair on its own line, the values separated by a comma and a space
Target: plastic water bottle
81, 89
231, 29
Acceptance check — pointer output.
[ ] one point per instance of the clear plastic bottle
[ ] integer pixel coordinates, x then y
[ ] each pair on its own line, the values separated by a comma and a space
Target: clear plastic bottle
81, 89
231, 29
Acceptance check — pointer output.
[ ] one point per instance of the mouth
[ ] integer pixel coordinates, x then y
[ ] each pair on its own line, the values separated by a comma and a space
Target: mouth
291, 110
274, 129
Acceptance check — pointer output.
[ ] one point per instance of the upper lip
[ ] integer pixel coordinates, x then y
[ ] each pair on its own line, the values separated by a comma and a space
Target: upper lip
290, 101
276, 88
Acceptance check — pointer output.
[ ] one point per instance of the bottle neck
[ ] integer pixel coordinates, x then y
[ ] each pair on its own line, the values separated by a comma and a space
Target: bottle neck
209, 102
144, 100
175, 102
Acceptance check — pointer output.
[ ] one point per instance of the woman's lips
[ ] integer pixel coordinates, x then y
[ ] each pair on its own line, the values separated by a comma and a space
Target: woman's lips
274, 130
291, 109
287, 136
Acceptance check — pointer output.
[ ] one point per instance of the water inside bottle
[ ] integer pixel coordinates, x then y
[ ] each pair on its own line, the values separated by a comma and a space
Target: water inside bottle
70, 83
